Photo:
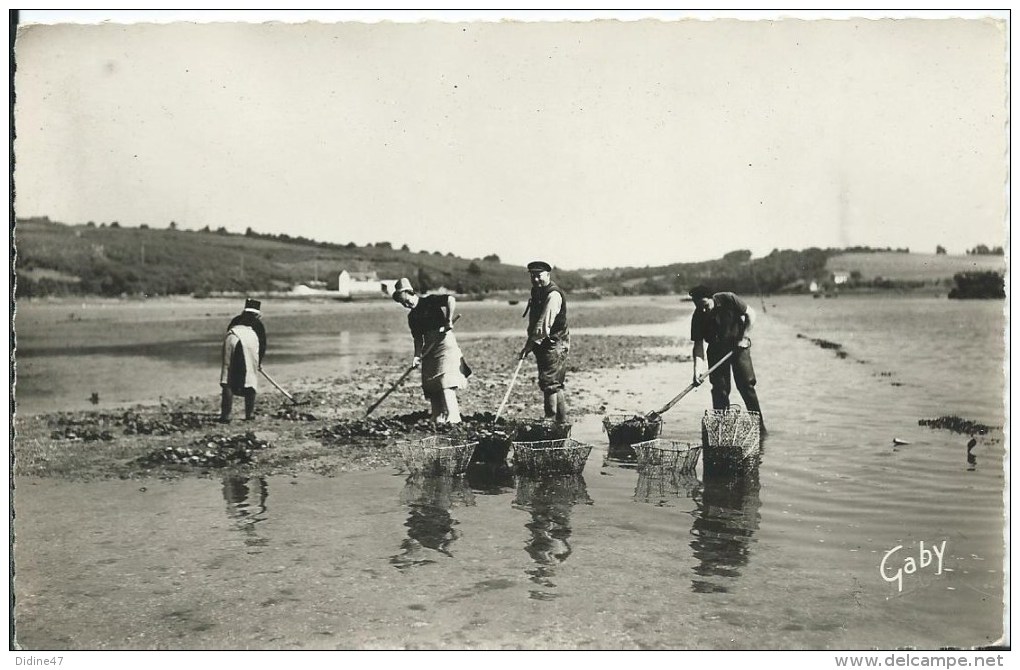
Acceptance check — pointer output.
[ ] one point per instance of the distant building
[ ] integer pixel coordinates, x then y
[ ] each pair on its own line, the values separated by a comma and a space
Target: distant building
840, 277
363, 284
813, 287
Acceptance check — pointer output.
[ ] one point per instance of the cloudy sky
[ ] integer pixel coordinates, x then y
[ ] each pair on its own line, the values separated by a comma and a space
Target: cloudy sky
588, 143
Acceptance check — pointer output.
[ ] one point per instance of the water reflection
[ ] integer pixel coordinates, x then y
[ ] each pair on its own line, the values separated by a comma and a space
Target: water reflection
623, 453
726, 517
490, 478
430, 526
663, 486
241, 494
550, 501
344, 362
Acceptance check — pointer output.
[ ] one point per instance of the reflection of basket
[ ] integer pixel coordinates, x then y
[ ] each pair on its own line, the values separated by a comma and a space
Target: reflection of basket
667, 454
442, 492
731, 438
658, 485
625, 430
489, 478
563, 456
437, 455
563, 491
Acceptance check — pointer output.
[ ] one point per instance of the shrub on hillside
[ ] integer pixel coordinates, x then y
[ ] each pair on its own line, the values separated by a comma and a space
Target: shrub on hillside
977, 285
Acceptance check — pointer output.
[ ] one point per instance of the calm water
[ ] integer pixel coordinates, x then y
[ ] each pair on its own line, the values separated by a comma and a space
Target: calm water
786, 558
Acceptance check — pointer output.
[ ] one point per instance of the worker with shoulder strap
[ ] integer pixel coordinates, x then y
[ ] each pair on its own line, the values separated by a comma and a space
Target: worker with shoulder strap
548, 337
443, 368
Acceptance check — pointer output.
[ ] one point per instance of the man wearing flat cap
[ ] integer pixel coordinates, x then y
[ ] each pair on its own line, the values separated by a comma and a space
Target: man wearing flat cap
723, 320
548, 337
243, 350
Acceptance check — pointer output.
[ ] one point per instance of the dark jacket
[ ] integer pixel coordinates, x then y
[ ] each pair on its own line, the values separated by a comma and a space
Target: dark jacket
722, 324
429, 315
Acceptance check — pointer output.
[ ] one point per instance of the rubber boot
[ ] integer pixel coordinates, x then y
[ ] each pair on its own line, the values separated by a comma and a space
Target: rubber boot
249, 404
561, 407
550, 405
226, 404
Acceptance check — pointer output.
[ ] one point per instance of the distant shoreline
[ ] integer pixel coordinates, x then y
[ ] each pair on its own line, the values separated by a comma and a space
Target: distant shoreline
904, 288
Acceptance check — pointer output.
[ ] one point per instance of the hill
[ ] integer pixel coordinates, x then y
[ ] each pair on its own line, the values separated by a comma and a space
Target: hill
736, 271
788, 270
59, 259
913, 267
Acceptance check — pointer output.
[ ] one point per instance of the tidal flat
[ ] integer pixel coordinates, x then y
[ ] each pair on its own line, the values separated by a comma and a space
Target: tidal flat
322, 542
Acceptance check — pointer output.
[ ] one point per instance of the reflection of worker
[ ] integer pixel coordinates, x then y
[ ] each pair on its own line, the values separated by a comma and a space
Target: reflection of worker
443, 369
238, 492
243, 350
725, 520
548, 337
550, 532
550, 502
432, 528
723, 321
429, 524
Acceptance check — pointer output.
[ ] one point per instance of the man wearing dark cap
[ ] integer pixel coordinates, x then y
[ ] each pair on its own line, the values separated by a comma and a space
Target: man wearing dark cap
723, 321
548, 337
243, 350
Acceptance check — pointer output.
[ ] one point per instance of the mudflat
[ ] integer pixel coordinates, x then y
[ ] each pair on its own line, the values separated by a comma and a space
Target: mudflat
326, 430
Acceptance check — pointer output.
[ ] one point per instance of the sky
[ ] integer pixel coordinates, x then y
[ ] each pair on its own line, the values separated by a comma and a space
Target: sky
588, 142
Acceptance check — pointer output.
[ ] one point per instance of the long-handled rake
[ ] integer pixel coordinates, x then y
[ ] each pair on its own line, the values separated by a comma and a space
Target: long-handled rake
508, 389
701, 379
280, 389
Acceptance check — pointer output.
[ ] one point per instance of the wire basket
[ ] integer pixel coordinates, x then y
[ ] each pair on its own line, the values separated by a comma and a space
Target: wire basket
437, 455
534, 431
629, 429
667, 454
493, 445
626, 430
562, 456
495, 442
731, 438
